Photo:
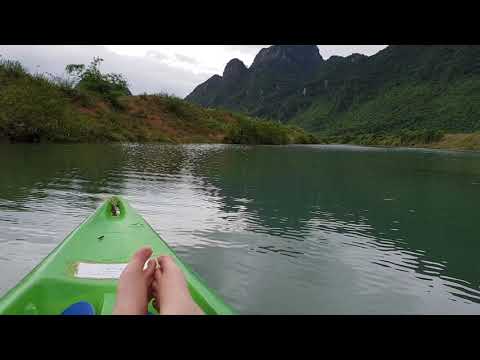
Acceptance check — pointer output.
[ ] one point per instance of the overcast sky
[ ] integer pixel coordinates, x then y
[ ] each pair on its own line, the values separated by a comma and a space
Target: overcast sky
175, 69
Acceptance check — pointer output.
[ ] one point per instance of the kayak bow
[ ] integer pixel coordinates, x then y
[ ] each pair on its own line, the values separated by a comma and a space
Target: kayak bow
87, 264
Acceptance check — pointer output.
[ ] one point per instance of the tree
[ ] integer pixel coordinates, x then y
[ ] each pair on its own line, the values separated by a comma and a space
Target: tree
90, 78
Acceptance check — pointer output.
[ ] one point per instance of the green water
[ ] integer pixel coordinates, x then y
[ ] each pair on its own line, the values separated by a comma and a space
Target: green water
275, 230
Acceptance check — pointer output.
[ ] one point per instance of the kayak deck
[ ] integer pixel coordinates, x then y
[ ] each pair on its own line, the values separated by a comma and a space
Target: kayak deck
109, 236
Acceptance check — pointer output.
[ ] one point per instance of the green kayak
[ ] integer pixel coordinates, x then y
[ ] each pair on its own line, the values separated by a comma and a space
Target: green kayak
86, 266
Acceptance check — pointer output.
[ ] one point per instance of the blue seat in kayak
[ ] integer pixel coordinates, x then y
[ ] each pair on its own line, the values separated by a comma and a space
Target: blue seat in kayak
79, 308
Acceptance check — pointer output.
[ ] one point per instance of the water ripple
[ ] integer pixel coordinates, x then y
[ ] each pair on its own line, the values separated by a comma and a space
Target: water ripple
301, 229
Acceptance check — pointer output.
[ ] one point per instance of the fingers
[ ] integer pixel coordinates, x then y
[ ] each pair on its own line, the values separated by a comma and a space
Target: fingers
166, 263
155, 287
157, 278
139, 259
155, 291
148, 272
157, 275
150, 293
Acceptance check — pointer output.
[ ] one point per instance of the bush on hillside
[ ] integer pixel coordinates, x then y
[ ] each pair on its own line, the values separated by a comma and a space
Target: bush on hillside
90, 79
32, 110
399, 138
251, 131
12, 68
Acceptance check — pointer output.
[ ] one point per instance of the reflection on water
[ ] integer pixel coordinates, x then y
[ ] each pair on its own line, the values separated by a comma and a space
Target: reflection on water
296, 229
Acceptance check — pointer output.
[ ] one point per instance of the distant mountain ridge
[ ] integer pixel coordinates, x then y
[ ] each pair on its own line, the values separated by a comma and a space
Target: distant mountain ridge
275, 71
400, 87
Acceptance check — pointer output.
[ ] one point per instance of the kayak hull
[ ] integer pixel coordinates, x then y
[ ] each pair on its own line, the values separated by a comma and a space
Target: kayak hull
109, 236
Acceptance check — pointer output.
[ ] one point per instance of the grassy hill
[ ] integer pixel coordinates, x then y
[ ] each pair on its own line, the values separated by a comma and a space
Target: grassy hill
97, 108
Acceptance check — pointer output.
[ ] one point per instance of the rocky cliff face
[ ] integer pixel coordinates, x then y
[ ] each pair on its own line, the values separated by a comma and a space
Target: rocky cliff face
287, 56
234, 70
206, 92
275, 71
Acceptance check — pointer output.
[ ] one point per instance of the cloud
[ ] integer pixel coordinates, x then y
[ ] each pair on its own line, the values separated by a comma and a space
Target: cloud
145, 74
325, 50
174, 69
156, 55
345, 50
187, 59
246, 49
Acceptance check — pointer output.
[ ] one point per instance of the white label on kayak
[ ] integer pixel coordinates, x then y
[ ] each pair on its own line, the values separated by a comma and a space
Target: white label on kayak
100, 271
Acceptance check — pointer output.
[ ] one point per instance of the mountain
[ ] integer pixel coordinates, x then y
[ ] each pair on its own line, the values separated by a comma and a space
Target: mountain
401, 88
275, 72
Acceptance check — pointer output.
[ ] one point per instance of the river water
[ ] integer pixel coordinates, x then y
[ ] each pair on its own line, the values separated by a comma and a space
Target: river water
274, 230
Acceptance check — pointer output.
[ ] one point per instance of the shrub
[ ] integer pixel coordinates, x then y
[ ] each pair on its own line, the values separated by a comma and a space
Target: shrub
110, 86
253, 131
12, 68
65, 84
31, 110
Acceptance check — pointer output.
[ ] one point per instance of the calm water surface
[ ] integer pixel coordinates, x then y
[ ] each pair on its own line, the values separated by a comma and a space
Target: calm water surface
274, 230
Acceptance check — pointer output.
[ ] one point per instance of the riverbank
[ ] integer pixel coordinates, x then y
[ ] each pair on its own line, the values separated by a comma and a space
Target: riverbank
458, 142
144, 118
436, 140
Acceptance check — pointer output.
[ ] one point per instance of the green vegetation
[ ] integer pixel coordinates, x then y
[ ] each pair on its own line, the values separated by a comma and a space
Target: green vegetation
88, 106
36, 108
425, 107
458, 141
30, 106
404, 95
398, 138
89, 79
254, 131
